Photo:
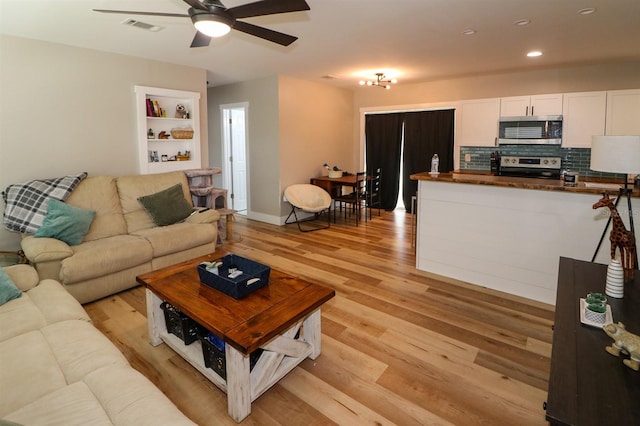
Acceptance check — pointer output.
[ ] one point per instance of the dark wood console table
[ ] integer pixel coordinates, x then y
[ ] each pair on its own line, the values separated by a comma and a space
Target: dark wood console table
587, 385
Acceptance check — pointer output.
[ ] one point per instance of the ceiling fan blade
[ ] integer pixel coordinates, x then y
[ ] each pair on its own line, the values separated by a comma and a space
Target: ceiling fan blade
131, 12
265, 33
200, 40
268, 7
196, 4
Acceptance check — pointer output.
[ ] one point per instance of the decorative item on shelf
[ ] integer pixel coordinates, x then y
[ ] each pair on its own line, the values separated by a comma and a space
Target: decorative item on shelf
150, 134
380, 81
334, 172
435, 164
182, 133
163, 135
164, 158
625, 342
618, 154
615, 280
620, 238
181, 111
183, 157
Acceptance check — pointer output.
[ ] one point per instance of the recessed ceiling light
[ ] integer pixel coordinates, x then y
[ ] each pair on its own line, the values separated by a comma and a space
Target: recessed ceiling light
522, 22
534, 54
587, 11
469, 32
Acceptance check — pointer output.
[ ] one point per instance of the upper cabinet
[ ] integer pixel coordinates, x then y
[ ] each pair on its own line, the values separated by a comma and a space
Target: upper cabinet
478, 122
623, 112
168, 129
583, 116
531, 105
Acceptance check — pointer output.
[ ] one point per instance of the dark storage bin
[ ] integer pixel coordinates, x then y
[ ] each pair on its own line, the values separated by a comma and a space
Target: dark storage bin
213, 351
237, 287
179, 324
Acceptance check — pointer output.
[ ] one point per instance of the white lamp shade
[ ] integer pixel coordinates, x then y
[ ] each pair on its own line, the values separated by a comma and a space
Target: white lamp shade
615, 154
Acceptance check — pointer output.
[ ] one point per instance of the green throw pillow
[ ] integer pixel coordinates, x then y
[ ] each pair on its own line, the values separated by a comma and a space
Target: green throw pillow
8, 290
167, 206
65, 223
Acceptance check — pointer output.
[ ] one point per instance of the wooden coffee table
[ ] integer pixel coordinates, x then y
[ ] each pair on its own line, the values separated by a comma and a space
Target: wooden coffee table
283, 318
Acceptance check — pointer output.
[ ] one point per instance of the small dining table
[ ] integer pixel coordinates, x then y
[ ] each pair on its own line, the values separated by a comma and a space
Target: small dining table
334, 185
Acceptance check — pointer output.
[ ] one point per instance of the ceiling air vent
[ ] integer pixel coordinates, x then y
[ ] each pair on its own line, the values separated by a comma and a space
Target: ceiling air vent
143, 25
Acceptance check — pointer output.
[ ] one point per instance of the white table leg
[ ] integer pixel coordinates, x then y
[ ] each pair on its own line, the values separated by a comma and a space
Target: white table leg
238, 384
312, 334
155, 318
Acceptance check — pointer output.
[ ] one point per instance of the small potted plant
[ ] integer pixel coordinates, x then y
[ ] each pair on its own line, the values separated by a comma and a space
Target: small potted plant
334, 172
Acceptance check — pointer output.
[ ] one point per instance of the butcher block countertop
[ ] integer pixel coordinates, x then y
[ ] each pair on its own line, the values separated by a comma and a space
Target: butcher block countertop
486, 178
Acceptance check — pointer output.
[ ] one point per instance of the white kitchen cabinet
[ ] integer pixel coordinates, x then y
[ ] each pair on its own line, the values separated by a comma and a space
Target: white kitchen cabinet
550, 104
583, 117
623, 112
157, 113
478, 122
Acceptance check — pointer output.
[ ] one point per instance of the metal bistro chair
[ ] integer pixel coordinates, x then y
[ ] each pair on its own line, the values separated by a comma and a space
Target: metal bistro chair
308, 198
373, 197
355, 199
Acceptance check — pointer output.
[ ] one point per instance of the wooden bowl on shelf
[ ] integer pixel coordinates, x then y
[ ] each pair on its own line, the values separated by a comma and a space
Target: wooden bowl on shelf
182, 134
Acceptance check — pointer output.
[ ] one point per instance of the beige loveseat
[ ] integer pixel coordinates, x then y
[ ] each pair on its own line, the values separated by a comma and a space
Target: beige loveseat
57, 368
123, 240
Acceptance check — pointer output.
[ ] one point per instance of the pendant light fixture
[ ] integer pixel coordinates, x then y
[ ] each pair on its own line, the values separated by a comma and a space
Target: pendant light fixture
380, 81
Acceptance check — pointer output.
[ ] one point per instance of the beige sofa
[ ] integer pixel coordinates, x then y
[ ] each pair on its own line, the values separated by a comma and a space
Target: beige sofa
59, 369
123, 240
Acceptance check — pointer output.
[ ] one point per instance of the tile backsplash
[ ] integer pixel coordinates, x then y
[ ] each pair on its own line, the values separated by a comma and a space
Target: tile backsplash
573, 159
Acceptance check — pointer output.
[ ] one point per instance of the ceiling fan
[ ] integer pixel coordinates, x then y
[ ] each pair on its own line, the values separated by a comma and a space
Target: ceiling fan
212, 19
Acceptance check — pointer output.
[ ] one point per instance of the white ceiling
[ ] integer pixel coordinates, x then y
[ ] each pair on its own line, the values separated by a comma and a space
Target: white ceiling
416, 40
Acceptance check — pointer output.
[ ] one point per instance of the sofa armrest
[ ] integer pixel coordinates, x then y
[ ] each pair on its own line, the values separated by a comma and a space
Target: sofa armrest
40, 250
204, 216
23, 276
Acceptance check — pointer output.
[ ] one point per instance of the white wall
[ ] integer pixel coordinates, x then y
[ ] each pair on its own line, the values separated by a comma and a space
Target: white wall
65, 110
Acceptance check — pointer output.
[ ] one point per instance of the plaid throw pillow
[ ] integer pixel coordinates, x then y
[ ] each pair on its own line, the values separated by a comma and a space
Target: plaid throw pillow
26, 203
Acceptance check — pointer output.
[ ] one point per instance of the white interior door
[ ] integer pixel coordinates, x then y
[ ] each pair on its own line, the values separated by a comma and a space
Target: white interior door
234, 133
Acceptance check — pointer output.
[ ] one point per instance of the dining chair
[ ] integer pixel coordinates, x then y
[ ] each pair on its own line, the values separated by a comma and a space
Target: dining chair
355, 200
373, 197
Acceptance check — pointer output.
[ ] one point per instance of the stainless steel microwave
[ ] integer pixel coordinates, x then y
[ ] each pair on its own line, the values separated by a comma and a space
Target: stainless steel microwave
530, 130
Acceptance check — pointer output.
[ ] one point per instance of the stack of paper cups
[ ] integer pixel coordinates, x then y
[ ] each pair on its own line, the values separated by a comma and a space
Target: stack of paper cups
615, 280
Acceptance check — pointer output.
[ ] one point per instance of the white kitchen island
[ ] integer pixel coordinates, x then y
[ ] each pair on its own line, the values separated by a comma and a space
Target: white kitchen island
508, 233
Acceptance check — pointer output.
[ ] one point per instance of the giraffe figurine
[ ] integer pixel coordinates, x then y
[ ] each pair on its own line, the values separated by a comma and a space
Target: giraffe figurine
620, 238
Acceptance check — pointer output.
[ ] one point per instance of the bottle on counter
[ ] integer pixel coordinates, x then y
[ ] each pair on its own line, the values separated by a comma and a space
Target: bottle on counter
435, 164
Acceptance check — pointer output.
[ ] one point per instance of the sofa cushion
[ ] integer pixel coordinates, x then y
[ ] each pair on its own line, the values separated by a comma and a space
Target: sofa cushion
100, 194
72, 405
65, 222
45, 304
178, 237
168, 206
101, 399
130, 188
105, 256
29, 370
8, 290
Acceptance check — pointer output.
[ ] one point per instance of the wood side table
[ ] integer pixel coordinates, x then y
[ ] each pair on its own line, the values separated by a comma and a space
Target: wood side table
587, 385
282, 318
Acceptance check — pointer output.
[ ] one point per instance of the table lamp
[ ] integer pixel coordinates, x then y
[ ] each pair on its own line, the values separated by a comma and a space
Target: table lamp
617, 154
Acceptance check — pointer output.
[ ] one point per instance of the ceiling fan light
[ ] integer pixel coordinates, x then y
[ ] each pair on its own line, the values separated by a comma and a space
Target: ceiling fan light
211, 25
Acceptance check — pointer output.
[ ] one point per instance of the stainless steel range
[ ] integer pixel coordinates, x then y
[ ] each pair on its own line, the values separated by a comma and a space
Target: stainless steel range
533, 167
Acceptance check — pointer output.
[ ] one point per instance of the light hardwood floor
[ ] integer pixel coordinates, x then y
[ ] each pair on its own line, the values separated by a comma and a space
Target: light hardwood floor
399, 346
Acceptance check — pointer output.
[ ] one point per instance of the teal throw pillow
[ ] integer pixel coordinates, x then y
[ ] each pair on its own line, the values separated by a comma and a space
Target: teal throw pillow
65, 223
167, 206
8, 290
